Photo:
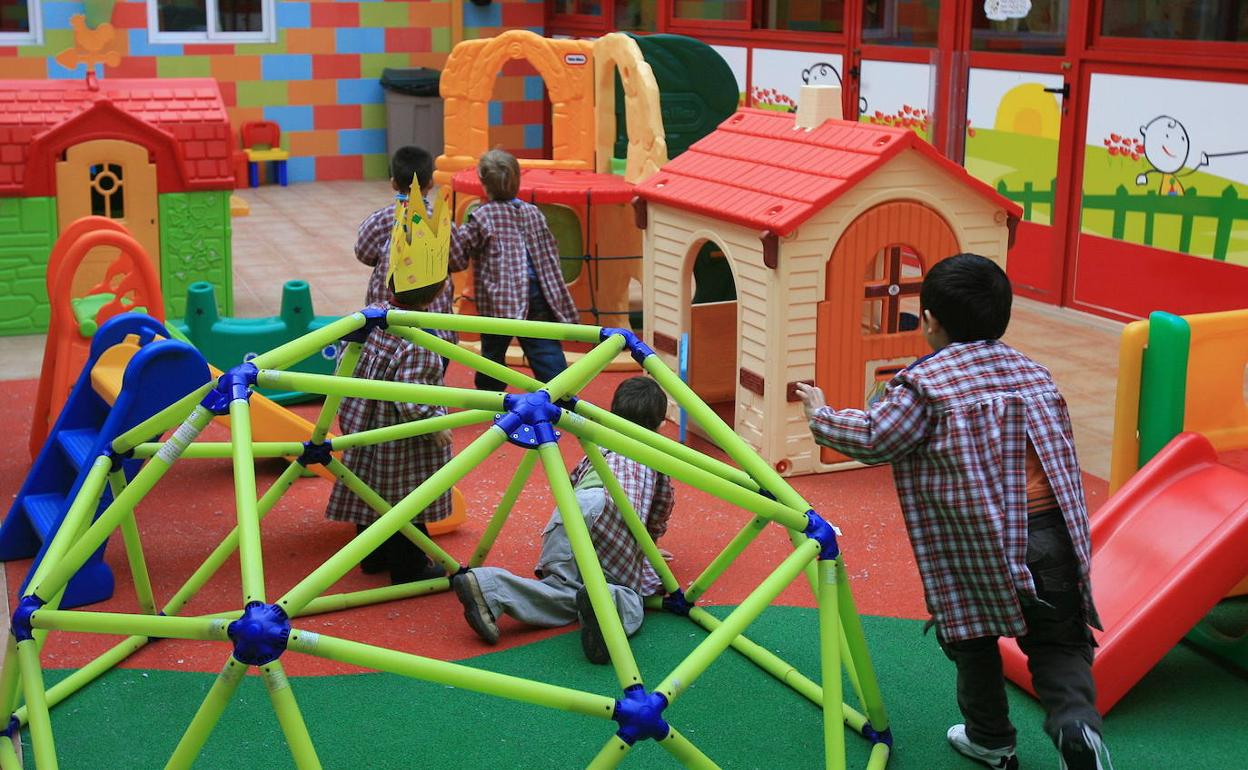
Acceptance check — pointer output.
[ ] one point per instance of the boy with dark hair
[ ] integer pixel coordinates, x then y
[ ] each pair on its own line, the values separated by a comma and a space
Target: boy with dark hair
515, 268
984, 462
372, 245
558, 596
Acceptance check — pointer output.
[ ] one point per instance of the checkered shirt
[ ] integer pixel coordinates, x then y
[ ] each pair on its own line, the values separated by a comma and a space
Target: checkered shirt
955, 427
372, 247
395, 468
495, 239
652, 496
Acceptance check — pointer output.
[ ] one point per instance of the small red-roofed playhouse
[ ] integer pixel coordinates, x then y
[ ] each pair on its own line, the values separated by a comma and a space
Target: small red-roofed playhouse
155, 155
828, 226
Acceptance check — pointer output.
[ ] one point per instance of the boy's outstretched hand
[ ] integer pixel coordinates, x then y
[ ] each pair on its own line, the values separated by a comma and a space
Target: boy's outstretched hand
442, 438
812, 398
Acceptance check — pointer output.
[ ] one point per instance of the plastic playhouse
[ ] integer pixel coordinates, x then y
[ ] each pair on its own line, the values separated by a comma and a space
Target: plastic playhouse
882, 202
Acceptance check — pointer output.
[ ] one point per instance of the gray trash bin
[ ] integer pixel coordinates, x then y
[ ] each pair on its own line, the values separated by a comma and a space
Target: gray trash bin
413, 109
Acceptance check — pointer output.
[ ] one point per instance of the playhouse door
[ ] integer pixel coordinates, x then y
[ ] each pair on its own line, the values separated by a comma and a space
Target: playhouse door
868, 321
113, 179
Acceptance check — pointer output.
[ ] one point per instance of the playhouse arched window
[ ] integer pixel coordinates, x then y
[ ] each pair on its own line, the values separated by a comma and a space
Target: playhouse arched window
891, 290
108, 196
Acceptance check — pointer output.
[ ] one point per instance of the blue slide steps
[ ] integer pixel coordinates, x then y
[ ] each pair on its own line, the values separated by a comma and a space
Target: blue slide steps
162, 372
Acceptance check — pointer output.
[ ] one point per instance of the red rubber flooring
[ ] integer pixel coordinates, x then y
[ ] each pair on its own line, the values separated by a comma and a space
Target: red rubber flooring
192, 510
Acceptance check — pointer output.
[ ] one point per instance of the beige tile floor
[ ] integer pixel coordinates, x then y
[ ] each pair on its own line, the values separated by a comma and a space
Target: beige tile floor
307, 231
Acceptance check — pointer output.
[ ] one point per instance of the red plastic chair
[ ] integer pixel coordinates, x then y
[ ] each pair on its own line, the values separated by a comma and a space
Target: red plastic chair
262, 141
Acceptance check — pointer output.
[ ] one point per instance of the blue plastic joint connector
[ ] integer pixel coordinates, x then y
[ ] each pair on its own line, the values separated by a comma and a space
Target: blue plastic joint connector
676, 603
14, 728
374, 318
21, 627
640, 350
529, 420
568, 402
875, 736
260, 635
823, 533
316, 454
640, 715
233, 385
117, 458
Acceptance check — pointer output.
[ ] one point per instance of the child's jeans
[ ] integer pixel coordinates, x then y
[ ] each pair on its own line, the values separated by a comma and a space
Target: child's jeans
545, 356
551, 601
1058, 646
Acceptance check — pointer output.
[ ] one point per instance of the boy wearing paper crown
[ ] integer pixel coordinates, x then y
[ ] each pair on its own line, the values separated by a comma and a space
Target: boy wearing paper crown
411, 169
417, 272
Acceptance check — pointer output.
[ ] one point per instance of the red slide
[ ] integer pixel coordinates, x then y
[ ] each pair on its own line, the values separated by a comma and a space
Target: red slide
1165, 549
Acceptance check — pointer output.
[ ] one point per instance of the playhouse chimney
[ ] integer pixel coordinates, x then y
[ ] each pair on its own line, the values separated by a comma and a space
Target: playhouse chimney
817, 104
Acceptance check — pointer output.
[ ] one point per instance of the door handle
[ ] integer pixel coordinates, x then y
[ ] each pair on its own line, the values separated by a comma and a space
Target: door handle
1064, 90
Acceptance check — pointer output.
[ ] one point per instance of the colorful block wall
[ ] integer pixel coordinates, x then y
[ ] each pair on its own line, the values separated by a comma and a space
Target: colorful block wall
319, 80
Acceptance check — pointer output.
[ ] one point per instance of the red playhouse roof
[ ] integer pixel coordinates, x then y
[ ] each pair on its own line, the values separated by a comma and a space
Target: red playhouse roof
182, 123
757, 170
556, 185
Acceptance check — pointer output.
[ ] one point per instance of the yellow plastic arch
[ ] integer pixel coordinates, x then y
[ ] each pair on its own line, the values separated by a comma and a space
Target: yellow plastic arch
566, 66
647, 143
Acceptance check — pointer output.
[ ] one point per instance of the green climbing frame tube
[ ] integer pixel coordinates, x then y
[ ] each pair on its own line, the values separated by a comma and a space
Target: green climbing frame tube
859, 655
508, 501
58, 576
40, 721
249, 547
595, 582
347, 360
76, 518
172, 415
81, 677
682, 471
207, 716
571, 380
474, 361
379, 504
207, 450
764, 659
134, 550
8, 755
451, 674
631, 520
610, 755
1163, 383
289, 717
414, 428
693, 666
830, 666
725, 558
122, 623
300, 348
685, 752
380, 390
370, 539
369, 596
724, 437
485, 325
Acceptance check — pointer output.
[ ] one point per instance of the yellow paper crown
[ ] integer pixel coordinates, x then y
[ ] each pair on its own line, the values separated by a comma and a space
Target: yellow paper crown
420, 245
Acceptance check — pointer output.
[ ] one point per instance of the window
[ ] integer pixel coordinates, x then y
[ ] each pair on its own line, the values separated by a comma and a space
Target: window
801, 15
636, 16
578, 7
1041, 31
19, 22
901, 22
710, 10
1177, 19
190, 21
108, 196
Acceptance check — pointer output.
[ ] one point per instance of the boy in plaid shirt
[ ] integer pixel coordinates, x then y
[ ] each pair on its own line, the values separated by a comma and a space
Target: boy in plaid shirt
515, 264
395, 468
372, 244
558, 596
984, 462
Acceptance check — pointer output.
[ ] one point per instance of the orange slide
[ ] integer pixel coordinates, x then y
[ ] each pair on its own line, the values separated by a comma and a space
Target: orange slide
1165, 549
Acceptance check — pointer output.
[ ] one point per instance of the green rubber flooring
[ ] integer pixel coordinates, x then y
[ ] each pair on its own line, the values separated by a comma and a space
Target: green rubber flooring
739, 716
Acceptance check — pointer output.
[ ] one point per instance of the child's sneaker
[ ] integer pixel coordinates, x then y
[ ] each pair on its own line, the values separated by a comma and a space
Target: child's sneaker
592, 642
1082, 749
476, 611
1002, 759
